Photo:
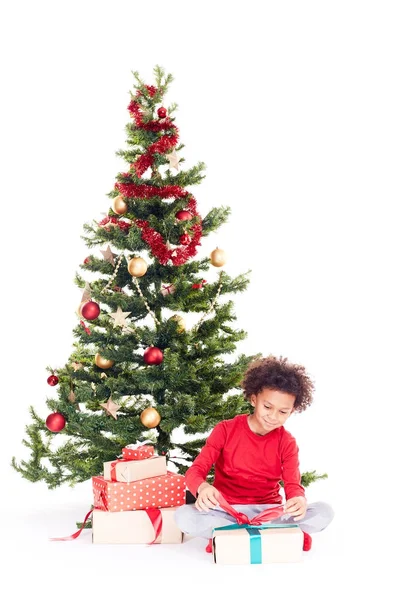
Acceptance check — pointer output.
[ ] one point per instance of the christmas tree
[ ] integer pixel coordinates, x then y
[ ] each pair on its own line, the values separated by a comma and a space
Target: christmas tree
137, 371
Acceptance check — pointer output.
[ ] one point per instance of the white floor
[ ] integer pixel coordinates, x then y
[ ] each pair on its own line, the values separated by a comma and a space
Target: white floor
344, 560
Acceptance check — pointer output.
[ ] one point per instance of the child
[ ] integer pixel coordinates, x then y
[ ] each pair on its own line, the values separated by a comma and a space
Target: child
252, 454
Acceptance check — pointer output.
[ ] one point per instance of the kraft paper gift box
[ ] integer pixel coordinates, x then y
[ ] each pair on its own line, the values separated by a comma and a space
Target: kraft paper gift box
261, 544
133, 470
134, 527
153, 492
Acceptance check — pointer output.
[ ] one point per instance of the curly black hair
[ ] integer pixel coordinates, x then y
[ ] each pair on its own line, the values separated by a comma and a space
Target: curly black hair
279, 374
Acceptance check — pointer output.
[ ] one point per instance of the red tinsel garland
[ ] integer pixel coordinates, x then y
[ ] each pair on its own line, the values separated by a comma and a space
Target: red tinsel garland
180, 254
165, 143
154, 239
133, 190
159, 248
151, 89
107, 222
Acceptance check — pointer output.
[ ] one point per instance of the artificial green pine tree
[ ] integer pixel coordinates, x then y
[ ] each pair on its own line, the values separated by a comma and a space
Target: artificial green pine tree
133, 350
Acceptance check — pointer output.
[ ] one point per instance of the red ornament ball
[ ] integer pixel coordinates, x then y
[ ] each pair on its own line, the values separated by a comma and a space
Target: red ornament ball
90, 310
87, 260
52, 380
183, 215
185, 239
153, 356
55, 422
162, 112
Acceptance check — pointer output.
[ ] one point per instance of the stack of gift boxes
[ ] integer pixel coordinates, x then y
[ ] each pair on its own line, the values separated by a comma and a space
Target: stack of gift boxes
136, 498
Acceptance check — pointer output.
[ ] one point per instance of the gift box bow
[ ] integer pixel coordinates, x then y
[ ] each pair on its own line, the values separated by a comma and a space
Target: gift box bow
137, 445
254, 525
263, 517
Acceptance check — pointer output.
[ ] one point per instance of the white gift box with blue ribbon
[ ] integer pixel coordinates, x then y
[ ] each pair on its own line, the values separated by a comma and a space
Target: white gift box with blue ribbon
257, 544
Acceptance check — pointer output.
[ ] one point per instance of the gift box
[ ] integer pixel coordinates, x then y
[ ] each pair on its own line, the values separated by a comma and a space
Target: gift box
153, 492
256, 540
250, 544
133, 470
135, 527
137, 452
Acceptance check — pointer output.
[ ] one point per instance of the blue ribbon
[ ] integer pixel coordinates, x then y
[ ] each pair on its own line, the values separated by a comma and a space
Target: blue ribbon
255, 546
255, 537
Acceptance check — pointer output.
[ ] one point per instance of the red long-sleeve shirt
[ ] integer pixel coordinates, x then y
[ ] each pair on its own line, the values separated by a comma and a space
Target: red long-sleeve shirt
248, 467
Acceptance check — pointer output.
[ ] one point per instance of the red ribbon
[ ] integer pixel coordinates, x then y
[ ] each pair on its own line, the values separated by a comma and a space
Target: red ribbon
168, 289
155, 517
113, 472
74, 535
269, 514
100, 500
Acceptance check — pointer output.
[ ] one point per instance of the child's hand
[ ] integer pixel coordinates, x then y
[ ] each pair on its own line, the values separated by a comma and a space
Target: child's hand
207, 497
296, 507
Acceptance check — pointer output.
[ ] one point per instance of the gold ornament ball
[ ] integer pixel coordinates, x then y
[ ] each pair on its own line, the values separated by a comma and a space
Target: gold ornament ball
149, 417
119, 205
137, 266
218, 257
103, 363
180, 322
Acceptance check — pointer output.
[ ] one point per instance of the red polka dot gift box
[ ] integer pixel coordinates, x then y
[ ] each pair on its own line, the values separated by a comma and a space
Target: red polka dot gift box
137, 452
153, 492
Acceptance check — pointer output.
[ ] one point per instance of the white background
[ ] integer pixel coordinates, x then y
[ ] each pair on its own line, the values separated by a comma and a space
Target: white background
294, 107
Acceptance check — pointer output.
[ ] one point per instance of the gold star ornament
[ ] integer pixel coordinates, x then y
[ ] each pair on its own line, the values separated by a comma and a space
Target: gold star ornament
111, 408
119, 317
108, 255
173, 160
87, 293
77, 366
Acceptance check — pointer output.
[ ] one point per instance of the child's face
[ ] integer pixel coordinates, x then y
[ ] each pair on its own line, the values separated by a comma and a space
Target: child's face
271, 410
